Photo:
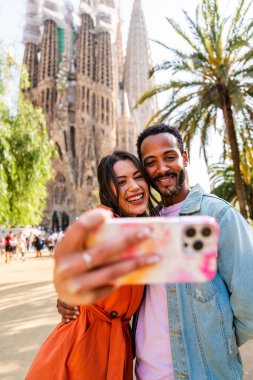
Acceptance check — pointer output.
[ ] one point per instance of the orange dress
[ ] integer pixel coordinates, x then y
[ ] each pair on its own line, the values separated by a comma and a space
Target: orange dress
98, 345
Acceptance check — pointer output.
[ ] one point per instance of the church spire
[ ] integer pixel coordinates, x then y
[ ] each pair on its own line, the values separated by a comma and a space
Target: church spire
53, 19
52, 10
32, 22
108, 3
137, 66
48, 68
31, 38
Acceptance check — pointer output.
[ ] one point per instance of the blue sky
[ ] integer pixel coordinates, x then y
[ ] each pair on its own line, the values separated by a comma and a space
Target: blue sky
12, 14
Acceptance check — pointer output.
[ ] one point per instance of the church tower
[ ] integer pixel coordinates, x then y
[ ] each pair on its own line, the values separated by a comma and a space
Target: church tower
49, 58
31, 39
95, 101
137, 66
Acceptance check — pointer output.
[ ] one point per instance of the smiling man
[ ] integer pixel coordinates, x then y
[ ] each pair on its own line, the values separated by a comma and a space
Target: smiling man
165, 160
197, 328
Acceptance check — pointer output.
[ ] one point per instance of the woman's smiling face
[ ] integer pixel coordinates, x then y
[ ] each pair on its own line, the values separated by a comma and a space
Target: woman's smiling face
133, 189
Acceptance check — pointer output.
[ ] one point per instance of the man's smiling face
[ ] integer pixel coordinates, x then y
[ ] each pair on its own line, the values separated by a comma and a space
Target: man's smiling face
165, 165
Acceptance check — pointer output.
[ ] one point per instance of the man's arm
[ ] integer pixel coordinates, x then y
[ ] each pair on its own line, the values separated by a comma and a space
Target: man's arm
236, 268
80, 281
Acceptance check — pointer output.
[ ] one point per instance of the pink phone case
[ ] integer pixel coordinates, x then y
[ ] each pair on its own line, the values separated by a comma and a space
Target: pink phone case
187, 245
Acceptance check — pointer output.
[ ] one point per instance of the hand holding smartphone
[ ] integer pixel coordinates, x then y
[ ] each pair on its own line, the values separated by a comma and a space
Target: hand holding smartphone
187, 246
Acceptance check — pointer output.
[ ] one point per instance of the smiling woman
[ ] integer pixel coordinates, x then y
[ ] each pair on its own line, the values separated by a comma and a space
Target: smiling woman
124, 185
98, 344
133, 190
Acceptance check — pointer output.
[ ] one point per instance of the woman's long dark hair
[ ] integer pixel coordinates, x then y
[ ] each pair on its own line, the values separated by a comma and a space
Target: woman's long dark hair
106, 176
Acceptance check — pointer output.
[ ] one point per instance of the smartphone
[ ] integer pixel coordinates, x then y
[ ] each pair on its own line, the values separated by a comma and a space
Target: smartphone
187, 245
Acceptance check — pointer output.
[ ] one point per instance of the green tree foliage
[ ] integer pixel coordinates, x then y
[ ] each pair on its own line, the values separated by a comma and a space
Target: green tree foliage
222, 180
213, 74
25, 152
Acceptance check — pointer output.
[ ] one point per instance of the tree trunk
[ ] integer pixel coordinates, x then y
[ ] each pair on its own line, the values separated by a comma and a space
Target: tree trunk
239, 186
249, 194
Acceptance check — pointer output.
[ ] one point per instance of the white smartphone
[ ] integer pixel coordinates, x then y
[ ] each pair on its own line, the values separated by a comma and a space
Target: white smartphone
187, 246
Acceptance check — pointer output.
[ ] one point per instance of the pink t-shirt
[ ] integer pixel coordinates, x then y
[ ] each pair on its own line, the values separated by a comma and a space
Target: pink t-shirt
153, 351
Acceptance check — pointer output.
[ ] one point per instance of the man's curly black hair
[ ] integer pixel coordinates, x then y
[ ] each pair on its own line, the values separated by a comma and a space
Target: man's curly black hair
156, 130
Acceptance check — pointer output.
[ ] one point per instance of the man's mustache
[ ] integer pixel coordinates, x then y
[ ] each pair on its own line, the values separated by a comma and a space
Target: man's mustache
167, 174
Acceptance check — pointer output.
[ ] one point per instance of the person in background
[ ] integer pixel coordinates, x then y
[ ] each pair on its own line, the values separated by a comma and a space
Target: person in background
38, 244
21, 246
2, 245
50, 242
9, 246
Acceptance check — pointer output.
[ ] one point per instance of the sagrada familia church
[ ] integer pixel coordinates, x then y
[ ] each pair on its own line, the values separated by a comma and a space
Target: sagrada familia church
87, 88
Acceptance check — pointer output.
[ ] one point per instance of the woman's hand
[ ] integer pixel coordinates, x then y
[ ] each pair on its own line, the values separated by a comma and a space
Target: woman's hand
84, 277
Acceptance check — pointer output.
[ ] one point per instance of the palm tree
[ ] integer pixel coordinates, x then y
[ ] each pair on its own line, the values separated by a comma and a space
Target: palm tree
219, 78
223, 184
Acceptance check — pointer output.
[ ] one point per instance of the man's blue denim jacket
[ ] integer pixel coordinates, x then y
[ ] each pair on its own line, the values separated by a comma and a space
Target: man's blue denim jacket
209, 321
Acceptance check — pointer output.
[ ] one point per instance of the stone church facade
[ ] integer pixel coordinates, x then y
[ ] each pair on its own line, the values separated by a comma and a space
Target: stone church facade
87, 90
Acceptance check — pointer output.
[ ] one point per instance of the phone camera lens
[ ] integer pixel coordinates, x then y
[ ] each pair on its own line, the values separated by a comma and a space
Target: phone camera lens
206, 231
198, 245
190, 232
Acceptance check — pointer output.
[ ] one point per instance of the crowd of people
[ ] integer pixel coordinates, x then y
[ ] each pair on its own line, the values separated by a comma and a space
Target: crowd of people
21, 243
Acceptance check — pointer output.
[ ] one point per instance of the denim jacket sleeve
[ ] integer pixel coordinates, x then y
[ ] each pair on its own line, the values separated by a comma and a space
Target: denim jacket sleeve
236, 268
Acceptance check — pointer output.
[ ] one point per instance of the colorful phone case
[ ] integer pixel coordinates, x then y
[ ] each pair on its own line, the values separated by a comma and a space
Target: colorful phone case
187, 246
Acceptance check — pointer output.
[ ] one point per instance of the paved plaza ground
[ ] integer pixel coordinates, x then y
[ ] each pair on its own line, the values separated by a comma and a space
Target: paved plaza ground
28, 314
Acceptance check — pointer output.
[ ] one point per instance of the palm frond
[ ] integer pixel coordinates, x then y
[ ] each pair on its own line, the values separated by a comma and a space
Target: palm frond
236, 19
196, 29
181, 33
243, 15
156, 115
247, 32
235, 44
236, 95
247, 56
187, 65
177, 104
166, 65
151, 92
245, 72
212, 20
177, 52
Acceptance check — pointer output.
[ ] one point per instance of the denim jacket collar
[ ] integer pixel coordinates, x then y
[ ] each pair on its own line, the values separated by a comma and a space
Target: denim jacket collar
193, 201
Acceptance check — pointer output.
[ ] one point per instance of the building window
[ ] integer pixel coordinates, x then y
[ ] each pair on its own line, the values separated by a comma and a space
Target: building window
94, 105
73, 141
60, 190
65, 220
55, 221
83, 98
60, 178
47, 100
107, 111
66, 141
88, 101
43, 99
59, 150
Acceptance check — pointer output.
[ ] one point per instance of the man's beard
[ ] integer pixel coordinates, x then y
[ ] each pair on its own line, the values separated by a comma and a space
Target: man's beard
170, 192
